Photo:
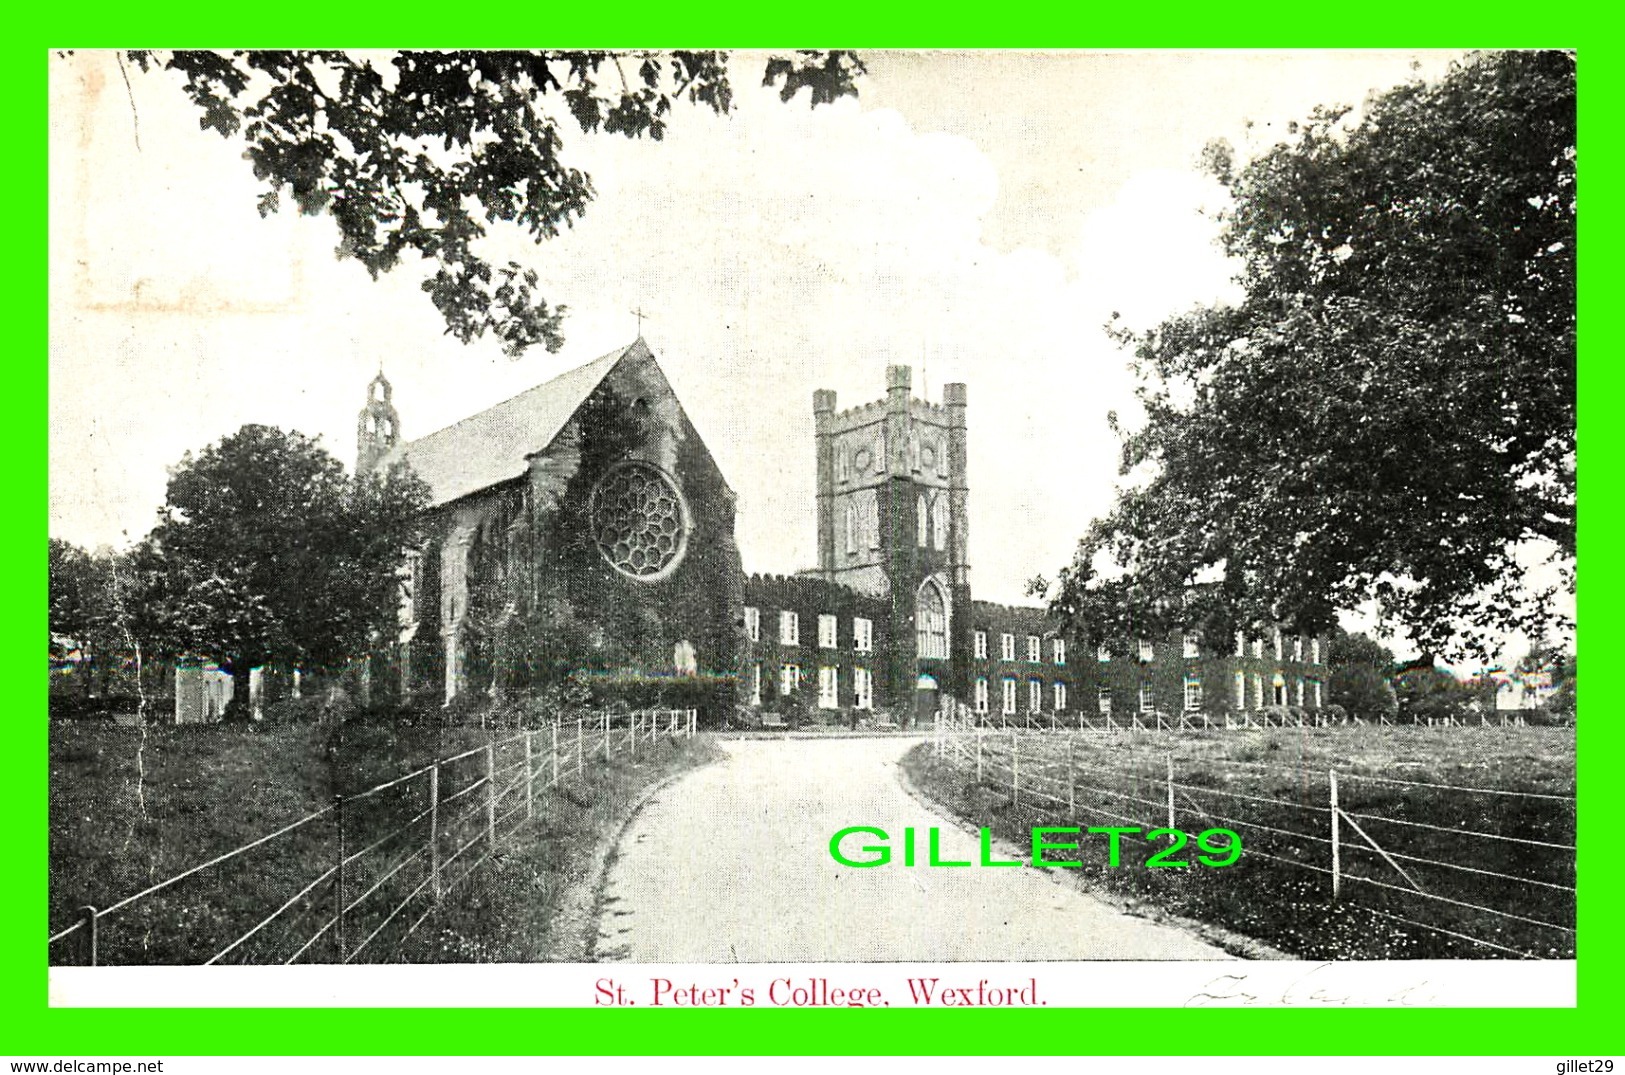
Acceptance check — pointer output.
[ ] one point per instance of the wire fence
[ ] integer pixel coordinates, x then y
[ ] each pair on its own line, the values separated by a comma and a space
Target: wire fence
352, 880
1197, 721
1493, 867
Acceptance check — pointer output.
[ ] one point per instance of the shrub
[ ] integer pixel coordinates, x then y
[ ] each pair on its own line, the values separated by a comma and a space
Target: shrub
712, 695
795, 711
307, 709
1336, 713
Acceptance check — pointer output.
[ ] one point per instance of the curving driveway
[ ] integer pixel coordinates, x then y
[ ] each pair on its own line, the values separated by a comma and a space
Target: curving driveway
731, 863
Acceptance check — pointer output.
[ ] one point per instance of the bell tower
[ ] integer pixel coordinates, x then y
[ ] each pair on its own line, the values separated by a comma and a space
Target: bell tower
378, 427
893, 523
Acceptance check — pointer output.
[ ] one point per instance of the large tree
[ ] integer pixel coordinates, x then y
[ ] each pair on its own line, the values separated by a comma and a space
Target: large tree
420, 154
83, 607
1361, 676
271, 553
1389, 413
99, 603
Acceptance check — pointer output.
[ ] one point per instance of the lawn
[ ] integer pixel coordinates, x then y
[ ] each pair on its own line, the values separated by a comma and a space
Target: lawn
1465, 869
133, 806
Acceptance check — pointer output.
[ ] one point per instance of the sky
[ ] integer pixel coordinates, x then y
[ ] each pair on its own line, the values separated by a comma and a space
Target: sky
977, 216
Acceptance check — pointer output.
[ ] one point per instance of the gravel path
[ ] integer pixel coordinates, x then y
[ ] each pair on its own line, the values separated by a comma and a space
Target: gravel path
731, 863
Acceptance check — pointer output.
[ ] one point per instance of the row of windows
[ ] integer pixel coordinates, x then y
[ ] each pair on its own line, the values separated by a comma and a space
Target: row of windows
863, 631
863, 523
932, 628
829, 685
1035, 650
1008, 694
1256, 645
1191, 646
1307, 692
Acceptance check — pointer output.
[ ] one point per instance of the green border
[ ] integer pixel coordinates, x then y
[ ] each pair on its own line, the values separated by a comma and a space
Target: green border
30, 1028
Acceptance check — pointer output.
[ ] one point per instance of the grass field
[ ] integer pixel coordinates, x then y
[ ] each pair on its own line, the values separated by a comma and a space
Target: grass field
1467, 873
132, 806
535, 902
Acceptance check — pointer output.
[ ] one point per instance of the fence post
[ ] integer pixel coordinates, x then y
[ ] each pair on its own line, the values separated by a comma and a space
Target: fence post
1015, 771
580, 759
434, 828
1170, 789
1337, 864
555, 753
1071, 783
632, 738
338, 932
606, 735
490, 795
87, 915
530, 773
978, 757
693, 718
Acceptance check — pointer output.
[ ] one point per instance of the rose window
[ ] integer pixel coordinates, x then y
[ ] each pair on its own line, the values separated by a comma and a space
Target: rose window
637, 520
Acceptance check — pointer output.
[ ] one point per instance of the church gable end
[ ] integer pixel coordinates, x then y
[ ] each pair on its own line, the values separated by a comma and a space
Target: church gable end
609, 548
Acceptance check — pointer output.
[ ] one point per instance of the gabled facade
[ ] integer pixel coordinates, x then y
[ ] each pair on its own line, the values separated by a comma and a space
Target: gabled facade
582, 523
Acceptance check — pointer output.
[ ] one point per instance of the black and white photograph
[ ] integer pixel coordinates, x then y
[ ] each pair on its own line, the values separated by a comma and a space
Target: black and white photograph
813, 528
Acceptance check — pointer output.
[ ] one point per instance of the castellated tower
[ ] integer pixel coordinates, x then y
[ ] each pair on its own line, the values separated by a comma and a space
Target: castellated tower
892, 522
378, 427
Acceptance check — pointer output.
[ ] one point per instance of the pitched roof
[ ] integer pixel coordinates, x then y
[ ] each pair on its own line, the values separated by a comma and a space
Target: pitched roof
490, 447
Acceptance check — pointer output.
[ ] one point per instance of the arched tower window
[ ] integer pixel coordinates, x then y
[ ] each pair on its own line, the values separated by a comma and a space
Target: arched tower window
931, 620
377, 426
939, 522
922, 522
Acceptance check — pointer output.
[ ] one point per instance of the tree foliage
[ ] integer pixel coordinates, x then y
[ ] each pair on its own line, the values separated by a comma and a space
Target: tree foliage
1560, 668
422, 154
86, 597
1349, 649
71, 590
1361, 671
1363, 692
1389, 414
1427, 692
266, 551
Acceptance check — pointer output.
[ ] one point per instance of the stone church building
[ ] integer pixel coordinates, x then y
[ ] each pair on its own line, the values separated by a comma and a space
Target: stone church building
583, 524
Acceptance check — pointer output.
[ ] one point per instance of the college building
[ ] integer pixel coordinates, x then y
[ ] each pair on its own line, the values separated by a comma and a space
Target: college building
584, 524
